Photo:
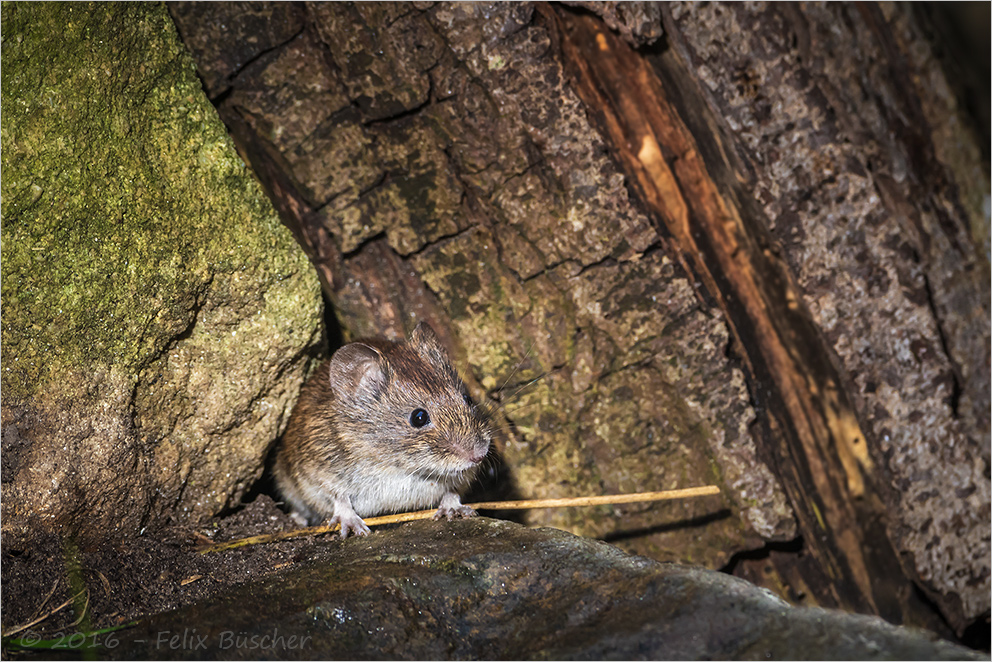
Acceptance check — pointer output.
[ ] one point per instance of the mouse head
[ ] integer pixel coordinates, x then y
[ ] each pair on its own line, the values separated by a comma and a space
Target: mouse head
407, 403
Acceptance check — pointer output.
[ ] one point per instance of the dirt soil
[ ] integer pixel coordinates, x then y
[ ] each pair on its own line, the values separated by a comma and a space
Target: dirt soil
125, 580
162, 570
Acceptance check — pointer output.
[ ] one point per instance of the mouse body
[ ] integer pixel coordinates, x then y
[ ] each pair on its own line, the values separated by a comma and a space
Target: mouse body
382, 427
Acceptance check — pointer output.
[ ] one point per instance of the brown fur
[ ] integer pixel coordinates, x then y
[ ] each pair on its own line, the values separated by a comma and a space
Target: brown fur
350, 446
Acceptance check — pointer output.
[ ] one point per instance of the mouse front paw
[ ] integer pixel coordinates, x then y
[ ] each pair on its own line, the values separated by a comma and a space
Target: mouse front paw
451, 507
460, 512
351, 525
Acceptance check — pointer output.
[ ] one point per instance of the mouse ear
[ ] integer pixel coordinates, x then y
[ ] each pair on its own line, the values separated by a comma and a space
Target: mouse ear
428, 345
358, 370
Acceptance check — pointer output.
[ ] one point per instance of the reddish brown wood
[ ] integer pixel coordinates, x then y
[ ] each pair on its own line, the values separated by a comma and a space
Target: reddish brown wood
820, 448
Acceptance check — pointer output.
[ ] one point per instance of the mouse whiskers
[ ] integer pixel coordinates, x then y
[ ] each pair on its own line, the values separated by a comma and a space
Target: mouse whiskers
515, 368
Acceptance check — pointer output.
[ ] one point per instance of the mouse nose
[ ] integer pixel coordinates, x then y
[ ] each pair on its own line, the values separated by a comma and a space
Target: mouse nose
477, 451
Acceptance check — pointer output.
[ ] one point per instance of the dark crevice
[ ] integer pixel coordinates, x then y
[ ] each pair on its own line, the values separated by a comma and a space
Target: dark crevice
404, 114
265, 485
977, 635
399, 17
232, 78
652, 249
378, 236
794, 546
221, 97
198, 303
333, 336
349, 113
433, 243
381, 236
381, 180
971, 636
677, 525
957, 383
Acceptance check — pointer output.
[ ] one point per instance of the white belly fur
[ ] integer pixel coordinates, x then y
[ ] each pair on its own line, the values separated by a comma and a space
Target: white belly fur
395, 491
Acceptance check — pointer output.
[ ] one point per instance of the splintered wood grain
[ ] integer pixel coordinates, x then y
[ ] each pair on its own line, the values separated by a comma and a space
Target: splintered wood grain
660, 153
848, 140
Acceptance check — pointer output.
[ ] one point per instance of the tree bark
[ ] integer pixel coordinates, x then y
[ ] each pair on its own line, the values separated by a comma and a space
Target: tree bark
752, 253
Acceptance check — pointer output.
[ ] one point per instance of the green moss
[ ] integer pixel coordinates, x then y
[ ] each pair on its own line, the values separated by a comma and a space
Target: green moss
122, 196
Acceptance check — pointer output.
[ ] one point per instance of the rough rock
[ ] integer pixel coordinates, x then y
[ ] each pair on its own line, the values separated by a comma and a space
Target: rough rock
157, 318
487, 589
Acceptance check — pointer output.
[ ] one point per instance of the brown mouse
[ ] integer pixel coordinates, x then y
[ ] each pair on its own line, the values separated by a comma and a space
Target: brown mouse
382, 427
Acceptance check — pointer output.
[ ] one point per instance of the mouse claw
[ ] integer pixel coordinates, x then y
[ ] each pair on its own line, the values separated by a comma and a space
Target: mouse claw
457, 512
451, 507
351, 524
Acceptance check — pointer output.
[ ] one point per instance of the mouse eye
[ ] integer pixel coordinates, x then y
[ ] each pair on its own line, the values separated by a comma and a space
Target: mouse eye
419, 418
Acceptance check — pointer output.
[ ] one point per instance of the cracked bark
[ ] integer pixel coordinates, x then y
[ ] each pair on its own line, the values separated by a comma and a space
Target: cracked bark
791, 299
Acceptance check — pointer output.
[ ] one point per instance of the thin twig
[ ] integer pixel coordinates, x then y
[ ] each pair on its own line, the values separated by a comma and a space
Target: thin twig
82, 612
607, 500
612, 499
41, 618
37, 612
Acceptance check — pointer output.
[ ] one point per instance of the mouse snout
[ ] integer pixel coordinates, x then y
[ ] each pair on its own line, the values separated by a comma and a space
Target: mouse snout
477, 455
465, 439
473, 451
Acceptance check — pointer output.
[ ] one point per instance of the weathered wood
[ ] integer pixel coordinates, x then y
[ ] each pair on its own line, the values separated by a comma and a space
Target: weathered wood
735, 253
772, 330
847, 139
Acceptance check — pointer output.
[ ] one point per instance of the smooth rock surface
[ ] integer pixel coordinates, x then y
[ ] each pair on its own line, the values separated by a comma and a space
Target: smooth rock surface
488, 589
